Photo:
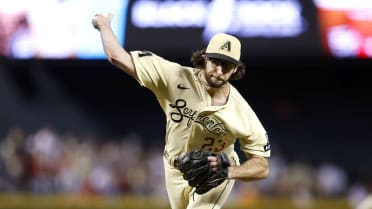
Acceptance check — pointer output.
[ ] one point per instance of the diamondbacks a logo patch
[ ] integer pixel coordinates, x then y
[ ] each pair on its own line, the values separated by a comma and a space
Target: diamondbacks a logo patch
226, 46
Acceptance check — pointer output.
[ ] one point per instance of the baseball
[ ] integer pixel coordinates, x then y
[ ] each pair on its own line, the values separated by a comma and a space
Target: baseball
106, 14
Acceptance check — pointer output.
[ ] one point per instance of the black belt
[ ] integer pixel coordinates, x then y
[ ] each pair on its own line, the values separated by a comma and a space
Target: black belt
174, 161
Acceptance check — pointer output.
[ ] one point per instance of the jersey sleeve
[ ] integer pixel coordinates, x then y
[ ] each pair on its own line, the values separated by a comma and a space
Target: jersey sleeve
153, 71
257, 143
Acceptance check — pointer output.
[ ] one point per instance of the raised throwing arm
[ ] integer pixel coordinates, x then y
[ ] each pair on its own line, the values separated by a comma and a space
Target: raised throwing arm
115, 53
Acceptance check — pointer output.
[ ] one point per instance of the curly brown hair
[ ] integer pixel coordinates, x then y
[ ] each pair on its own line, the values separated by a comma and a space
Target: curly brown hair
198, 60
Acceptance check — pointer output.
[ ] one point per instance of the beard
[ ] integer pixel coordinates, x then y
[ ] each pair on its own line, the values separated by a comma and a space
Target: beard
214, 83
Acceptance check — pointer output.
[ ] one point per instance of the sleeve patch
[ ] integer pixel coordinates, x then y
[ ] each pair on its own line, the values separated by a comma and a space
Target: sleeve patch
144, 54
267, 147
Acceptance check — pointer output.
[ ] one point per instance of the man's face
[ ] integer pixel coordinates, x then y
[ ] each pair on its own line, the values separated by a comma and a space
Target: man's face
218, 72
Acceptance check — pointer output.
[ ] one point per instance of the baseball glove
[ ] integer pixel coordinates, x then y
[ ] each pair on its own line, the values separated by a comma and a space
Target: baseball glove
197, 170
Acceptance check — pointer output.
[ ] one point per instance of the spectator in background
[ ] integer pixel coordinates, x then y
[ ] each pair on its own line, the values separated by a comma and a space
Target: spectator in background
366, 203
331, 180
14, 162
360, 192
45, 149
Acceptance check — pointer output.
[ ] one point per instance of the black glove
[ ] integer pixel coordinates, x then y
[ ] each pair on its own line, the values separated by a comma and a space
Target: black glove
217, 177
197, 170
195, 166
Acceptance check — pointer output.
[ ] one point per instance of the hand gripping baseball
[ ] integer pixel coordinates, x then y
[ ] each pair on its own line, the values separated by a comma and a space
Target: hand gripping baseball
101, 19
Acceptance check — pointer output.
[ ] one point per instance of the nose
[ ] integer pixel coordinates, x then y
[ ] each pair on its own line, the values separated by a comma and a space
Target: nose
219, 70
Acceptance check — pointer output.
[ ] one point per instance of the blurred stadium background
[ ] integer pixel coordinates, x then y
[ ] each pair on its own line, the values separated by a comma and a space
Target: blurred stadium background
75, 132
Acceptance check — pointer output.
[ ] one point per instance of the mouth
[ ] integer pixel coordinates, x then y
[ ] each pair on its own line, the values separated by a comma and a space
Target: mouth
218, 79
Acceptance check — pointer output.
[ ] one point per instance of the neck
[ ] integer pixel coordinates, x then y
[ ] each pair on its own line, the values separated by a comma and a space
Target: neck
219, 94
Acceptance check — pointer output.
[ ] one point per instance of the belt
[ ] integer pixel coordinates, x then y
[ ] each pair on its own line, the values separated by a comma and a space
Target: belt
172, 161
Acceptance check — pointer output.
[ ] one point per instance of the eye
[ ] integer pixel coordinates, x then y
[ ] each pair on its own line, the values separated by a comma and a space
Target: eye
225, 65
214, 61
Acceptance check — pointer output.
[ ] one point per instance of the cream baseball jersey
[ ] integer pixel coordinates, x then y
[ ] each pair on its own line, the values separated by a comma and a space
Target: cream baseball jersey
191, 121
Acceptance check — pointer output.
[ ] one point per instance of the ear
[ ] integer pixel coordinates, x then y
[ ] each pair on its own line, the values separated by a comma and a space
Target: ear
204, 58
235, 69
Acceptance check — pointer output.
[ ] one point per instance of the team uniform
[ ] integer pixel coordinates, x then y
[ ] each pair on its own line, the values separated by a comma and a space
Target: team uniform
192, 122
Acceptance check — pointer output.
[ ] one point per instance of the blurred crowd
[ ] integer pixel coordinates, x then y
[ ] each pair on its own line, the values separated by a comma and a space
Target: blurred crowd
47, 162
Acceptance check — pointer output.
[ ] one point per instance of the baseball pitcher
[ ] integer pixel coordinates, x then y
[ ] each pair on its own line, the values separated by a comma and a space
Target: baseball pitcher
205, 115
